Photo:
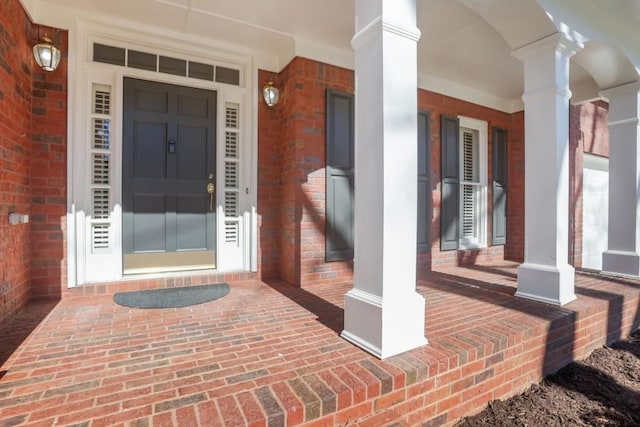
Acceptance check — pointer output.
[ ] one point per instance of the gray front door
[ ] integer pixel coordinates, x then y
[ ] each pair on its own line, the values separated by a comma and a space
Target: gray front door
169, 157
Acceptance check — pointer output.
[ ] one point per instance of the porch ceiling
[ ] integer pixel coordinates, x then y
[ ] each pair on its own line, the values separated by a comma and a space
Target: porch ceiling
465, 47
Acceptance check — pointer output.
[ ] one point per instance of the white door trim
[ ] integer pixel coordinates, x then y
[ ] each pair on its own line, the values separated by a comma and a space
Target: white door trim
85, 266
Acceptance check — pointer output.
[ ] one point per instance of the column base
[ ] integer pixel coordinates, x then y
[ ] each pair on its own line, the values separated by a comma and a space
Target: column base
384, 327
545, 283
621, 262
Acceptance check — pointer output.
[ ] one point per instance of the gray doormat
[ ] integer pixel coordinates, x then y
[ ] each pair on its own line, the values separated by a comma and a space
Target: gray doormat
171, 297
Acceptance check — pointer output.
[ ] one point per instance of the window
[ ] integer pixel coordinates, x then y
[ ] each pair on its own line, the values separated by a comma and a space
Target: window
473, 182
463, 209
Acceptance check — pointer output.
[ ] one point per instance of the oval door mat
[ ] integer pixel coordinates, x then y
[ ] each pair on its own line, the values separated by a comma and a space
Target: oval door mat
171, 297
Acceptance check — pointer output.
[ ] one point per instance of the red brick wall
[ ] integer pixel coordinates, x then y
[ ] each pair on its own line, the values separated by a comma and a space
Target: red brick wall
300, 154
289, 223
32, 164
437, 105
514, 249
15, 151
292, 138
588, 133
312, 81
269, 183
49, 175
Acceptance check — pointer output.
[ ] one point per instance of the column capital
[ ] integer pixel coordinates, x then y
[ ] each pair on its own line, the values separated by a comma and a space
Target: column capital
380, 25
624, 104
559, 42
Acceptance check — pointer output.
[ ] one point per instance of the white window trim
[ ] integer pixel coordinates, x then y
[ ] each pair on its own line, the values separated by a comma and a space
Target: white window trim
482, 127
82, 74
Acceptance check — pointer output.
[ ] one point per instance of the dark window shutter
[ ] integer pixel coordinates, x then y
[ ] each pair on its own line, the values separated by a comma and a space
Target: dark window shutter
340, 161
424, 183
449, 134
499, 186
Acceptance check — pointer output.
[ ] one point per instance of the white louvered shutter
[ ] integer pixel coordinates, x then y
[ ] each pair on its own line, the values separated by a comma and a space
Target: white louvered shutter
470, 184
232, 174
101, 169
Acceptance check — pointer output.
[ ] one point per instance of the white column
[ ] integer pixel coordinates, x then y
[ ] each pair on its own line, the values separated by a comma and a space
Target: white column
546, 274
383, 312
623, 250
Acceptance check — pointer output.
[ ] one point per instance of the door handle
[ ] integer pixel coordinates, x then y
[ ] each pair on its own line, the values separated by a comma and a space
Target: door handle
211, 189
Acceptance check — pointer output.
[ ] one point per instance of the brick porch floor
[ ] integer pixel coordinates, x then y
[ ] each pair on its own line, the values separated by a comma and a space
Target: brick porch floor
270, 354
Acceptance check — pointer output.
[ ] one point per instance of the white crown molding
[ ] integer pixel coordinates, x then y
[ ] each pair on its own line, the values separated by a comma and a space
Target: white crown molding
465, 93
273, 61
344, 58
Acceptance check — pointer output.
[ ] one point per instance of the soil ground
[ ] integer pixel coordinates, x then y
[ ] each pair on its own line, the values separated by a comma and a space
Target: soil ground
602, 390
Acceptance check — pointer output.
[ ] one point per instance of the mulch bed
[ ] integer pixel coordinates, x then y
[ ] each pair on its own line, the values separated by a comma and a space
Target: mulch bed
602, 390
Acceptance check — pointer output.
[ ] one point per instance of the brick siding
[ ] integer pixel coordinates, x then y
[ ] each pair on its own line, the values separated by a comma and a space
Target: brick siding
49, 175
292, 139
514, 249
33, 124
437, 105
269, 184
15, 151
295, 235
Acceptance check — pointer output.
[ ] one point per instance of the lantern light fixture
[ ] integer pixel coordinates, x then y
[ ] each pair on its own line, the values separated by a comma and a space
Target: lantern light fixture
46, 54
271, 94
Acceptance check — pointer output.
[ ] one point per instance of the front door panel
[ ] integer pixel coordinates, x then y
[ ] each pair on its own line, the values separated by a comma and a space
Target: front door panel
168, 161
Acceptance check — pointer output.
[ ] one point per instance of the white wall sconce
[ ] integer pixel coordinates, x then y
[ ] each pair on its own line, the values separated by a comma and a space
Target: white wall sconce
46, 54
271, 94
